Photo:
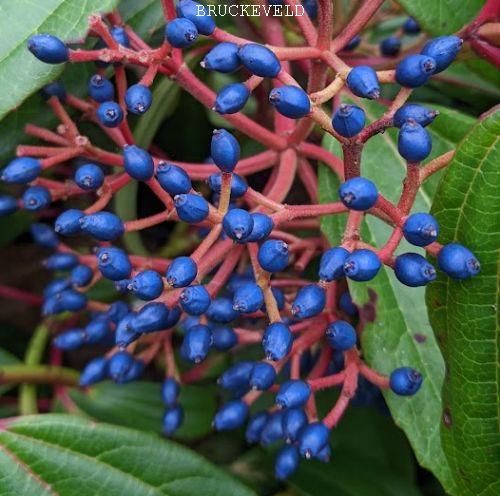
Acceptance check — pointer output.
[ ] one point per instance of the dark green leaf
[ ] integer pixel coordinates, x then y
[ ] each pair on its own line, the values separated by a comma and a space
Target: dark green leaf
145, 17
139, 405
60, 454
464, 314
401, 314
442, 16
22, 73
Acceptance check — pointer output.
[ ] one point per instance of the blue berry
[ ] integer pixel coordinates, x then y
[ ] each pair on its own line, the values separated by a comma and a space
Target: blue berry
119, 365
262, 227
310, 301
138, 163
147, 285
363, 82
117, 311
331, 265
196, 343
172, 420
36, 198
443, 50
421, 229
70, 340
411, 26
173, 179
293, 394
259, 60
120, 36
56, 88
390, 46
348, 120
347, 305
65, 301
313, 438
225, 150
103, 226
352, 44
255, 427
239, 186
232, 98
224, 338
221, 311
96, 370
195, 300
123, 286
290, 101
237, 376
56, 286
311, 7
152, 317
413, 270
279, 297
68, 223
181, 272
294, 419
414, 142
341, 335
109, 114
237, 224
191, 208
362, 265
133, 373
287, 462
21, 170
97, 329
48, 48
273, 255
277, 341
100, 89
113, 263
405, 381
417, 113
8, 205
358, 193
89, 177
44, 235
170, 390
262, 376
324, 454
198, 14
173, 317
223, 57
415, 70
273, 429
138, 99
458, 262
181, 33
61, 261
248, 298
231, 416
124, 334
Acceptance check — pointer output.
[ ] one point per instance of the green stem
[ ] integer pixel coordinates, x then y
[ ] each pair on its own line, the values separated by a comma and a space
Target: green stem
34, 354
38, 374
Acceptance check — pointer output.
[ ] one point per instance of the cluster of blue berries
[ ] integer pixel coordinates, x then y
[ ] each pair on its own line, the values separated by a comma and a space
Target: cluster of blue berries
206, 319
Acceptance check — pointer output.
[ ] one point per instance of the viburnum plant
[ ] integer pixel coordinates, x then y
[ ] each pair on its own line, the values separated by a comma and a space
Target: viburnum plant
255, 269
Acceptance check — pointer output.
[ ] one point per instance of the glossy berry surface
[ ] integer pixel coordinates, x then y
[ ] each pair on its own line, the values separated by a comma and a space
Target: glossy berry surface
173, 179
191, 208
413, 270
458, 262
287, 462
89, 177
181, 272
414, 142
390, 46
421, 229
443, 50
138, 163
293, 394
195, 300
223, 57
363, 82
310, 301
48, 48
405, 381
348, 120
273, 255
290, 101
181, 33
237, 224
415, 70
147, 285
104, 226
198, 14
358, 193
231, 99
259, 60
277, 341
248, 298
21, 170
138, 99
417, 113
331, 265
341, 335
362, 265
100, 89
225, 150
110, 114
313, 439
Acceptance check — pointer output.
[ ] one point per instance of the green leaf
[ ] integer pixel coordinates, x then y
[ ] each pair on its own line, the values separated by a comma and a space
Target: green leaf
139, 405
401, 333
60, 454
66, 19
442, 16
145, 17
464, 313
